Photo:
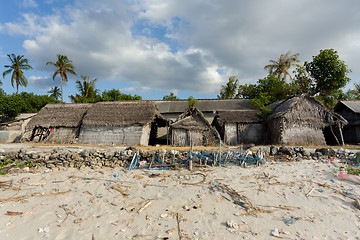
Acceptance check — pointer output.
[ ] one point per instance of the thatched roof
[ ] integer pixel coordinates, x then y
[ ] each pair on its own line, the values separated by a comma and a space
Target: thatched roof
240, 116
59, 115
126, 113
194, 119
353, 105
204, 105
184, 120
282, 107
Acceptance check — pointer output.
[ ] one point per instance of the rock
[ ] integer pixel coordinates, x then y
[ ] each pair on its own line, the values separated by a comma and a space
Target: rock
273, 150
286, 151
326, 152
84, 153
306, 153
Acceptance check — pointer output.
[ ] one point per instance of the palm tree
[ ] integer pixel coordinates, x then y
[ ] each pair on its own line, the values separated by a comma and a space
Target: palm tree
281, 66
18, 64
55, 92
229, 90
64, 66
86, 88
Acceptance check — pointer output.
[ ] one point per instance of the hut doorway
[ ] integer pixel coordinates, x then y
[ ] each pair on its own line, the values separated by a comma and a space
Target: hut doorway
332, 136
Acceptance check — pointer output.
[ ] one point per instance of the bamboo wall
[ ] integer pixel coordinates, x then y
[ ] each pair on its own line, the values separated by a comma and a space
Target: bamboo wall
131, 135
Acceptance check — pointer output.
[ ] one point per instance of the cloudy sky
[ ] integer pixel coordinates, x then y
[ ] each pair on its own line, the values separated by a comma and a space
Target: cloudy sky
189, 47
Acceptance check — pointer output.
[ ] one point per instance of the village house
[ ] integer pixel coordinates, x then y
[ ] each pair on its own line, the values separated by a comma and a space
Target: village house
56, 123
350, 110
171, 110
191, 128
121, 123
11, 129
240, 127
303, 120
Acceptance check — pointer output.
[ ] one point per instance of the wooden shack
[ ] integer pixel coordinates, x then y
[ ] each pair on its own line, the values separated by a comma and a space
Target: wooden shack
56, 123
191, 128
240, 127
350, 110
121, 123
303, 120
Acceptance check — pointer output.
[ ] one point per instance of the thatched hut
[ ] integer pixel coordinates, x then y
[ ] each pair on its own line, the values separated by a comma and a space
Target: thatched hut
240, 127
302, 120
191, 128
56, 123
121, 123
11, 130
172, 109
350, 110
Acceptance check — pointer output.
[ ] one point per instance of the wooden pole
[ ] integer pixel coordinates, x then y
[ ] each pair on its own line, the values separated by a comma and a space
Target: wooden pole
341, 134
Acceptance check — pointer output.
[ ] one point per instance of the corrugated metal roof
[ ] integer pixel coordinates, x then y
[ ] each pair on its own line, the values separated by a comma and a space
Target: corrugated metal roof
354, 105
204, 105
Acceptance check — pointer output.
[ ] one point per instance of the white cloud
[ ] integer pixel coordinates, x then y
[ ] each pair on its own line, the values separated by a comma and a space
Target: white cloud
198, 38
42, 82
29, 3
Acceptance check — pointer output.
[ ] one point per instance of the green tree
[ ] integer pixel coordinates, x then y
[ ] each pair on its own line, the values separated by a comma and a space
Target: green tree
192, 102
117, 95
87, 90
302, 82
229, 90
280, 67
18, 64
171, 96
55, 92
353, 94
12, 105
64, 66
328, 72
266, 91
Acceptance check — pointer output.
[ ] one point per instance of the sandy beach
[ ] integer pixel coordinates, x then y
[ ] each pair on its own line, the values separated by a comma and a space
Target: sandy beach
287, 200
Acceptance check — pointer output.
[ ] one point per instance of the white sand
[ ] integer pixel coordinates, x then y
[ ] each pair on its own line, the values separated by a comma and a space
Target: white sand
89, 206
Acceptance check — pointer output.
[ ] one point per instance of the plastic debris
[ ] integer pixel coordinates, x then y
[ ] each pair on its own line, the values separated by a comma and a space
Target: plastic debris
275, 233
116, 175
232, 226
44, 230
290, 220
350, 177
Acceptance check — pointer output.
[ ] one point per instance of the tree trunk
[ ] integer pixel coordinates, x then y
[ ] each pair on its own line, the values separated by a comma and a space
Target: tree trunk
61, 80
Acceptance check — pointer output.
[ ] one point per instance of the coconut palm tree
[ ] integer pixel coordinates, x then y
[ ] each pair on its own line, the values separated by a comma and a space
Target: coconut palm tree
64, 66
229, 90
281, 66
55, 92
86, 88
18, 64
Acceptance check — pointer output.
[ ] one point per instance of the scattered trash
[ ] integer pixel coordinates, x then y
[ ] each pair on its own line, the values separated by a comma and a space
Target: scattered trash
350, 192
350, 177
116, 175
357, 204
320, 190
144, 207
14, 213
44, 230
275, 233
291, 220
100, 195
232, 226
78, 220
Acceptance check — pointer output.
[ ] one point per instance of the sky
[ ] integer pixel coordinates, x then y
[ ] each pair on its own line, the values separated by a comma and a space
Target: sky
189, 47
